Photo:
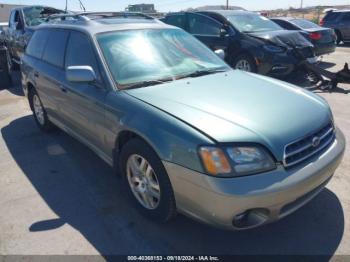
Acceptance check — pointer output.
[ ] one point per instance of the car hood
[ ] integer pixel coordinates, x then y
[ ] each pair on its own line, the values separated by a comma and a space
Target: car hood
240, 107
283, 38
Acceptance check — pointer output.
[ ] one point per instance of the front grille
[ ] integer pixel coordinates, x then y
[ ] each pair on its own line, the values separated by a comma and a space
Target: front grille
304, 148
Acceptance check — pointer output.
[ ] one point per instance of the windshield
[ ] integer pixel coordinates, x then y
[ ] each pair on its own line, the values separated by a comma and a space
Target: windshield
35, 15
304, 24
136, 56
247, 23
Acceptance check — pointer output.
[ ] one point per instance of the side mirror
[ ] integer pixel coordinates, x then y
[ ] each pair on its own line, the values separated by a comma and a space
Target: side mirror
80, 74
223, 32
18, 26
220, 53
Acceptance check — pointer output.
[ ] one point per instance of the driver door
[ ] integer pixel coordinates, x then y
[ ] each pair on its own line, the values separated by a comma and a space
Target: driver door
208, 31
82, 104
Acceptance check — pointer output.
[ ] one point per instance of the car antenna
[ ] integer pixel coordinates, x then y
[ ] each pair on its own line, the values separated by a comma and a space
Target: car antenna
81, 5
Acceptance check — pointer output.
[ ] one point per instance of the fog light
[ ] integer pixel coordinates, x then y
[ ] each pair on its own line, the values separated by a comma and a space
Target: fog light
240, 219
250, 218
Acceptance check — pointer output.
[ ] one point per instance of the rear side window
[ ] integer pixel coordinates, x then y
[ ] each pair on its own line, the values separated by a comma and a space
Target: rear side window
55, 47
202, 25
37, 43
346, 17
331, 16
80, 52
176, 20
285, 24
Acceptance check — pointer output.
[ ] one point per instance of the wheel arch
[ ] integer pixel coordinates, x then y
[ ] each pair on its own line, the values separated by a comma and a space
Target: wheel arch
123, 138
30, 87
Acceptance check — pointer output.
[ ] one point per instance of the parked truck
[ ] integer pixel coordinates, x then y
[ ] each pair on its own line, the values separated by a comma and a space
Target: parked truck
21, 25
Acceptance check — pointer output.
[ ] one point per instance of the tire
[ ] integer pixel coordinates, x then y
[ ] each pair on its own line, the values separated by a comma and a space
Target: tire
136, 151
39, 112
339, 38
244, 62
5, 69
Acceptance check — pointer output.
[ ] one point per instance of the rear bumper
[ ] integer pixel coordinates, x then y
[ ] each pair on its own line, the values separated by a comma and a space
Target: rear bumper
267, 197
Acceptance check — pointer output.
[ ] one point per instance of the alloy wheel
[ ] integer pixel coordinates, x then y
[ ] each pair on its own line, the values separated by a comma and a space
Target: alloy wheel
243, 65
143, 181
38, 110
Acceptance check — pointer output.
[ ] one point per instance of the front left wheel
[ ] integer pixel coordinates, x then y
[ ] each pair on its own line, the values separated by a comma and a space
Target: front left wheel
146, 181
244, 62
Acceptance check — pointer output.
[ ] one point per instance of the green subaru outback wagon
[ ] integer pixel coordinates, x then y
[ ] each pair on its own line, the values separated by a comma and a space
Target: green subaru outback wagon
187, 133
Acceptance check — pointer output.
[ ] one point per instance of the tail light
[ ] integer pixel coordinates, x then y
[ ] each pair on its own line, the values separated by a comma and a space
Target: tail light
321, 22
315, 36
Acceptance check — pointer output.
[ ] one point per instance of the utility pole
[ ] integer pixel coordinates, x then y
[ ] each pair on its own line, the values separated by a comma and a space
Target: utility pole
301, 7
65, 9
226, 4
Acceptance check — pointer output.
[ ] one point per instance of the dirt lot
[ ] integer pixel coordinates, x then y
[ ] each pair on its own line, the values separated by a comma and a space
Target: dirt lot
57, 197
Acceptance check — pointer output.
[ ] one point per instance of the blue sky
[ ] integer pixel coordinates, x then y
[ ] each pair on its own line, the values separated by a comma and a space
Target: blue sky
175, 5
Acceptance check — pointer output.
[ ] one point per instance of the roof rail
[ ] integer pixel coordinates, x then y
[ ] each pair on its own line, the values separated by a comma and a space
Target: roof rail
87, 16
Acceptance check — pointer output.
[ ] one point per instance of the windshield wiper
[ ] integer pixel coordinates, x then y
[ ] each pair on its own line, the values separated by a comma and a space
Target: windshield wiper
203, 73
145, 83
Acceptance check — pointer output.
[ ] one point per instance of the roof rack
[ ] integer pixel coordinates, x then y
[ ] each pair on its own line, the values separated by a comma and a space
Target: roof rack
87, 16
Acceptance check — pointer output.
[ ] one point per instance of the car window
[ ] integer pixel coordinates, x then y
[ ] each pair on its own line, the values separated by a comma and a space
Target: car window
331, 16
304, 24
55, 47
80, 52
285, 24
176, 20
37, 43
134, 56
250, 22
346, 17
203, 25
12, 19
35, 15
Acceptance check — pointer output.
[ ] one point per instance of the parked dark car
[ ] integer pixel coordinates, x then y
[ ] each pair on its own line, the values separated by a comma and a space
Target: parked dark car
251, 42
22, 23
322, 38
340, 22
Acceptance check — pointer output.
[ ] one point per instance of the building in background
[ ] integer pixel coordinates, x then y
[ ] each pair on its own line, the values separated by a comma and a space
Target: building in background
142, 8
5, 11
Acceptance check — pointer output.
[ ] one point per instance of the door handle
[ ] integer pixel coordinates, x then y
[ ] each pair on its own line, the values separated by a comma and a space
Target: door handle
63, 89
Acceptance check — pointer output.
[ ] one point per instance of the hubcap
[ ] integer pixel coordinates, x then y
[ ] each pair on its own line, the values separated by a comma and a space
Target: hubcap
243, 65
38, 110
143, 181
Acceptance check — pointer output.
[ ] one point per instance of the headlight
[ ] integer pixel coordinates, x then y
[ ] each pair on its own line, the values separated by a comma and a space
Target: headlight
245, 160
249, 160
274, 48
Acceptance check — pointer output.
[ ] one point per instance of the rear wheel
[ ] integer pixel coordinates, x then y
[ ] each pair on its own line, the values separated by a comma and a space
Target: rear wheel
146, 181
5, 68
339, 37
39, 112
244, 62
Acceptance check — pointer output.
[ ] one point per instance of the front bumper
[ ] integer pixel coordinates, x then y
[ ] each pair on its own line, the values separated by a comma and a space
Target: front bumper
324, 48
267, 197
277, 65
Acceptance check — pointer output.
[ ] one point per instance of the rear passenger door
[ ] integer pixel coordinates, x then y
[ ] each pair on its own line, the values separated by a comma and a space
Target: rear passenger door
82, 104
50, 76
345, 25
43, 72
207, 30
